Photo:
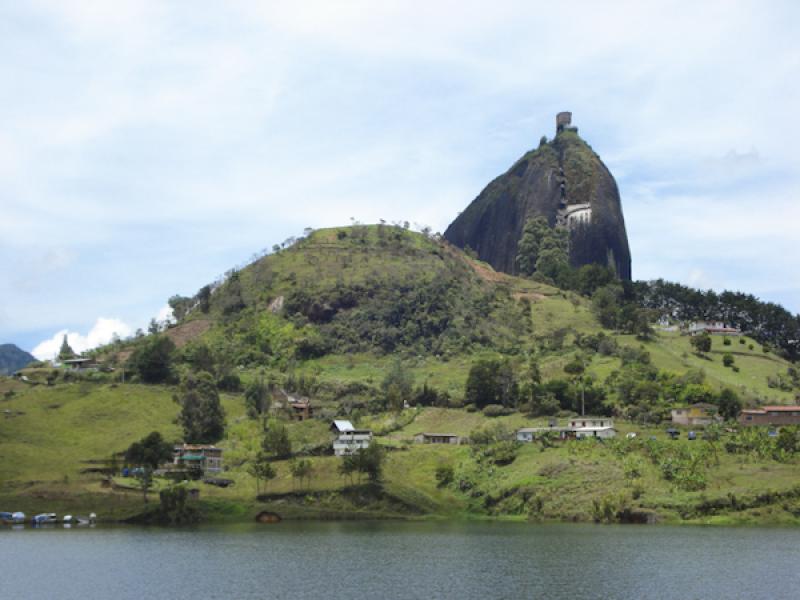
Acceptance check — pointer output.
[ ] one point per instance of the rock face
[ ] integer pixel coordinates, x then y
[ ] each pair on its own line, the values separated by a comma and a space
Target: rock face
562, 180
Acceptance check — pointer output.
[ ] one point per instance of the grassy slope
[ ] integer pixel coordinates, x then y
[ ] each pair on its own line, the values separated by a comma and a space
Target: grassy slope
41, 450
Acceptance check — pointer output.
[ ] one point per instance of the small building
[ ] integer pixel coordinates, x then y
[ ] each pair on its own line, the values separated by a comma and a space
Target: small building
595, 432
301, 410
579, 427
713, 328
203, 456
529, 434
590, 422
699, 414
349, 439
437, 438
81, 364
771, 415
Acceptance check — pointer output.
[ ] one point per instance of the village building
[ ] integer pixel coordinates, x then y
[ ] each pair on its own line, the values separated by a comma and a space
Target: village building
301, 410
578, 428
771, 415
529, 434
699, 414
81, 364
712, 328
437, 438
203, 456
349, 439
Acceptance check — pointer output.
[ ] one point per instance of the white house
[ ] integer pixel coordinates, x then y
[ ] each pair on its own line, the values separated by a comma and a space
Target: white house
579, 427
348, 438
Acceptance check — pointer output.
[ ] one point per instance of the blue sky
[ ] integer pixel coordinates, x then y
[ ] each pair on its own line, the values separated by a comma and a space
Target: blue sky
147, 147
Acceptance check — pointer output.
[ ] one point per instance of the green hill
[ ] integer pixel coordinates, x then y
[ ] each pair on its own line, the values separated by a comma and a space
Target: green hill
13, 358
345, 314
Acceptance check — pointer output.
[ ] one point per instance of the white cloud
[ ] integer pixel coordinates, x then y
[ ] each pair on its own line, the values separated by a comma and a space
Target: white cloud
165, 315
184, 140
101, 333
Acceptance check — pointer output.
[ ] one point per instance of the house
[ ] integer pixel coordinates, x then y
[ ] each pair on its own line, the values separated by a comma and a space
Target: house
697, 414
348, 438
81, 364
208, 458
437, 438
579, 427
528, 434
301, 409
713, 328
771, 415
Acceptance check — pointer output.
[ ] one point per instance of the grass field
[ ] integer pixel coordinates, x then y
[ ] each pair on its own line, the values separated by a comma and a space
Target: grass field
50, 432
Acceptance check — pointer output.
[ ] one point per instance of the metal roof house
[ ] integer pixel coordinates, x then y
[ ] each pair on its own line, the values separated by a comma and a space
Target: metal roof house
771, 415
208, 458
437, 438
349, 439
579, 427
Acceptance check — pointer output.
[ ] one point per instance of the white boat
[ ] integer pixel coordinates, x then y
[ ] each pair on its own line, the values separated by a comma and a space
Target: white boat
18, 517
44, 518
67, 519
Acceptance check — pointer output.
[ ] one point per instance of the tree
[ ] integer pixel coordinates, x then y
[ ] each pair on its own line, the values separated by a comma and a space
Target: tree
152, 359
492, 382
729, 404
348, 466
369, 461
301, 469
787, 440
150, 451
701, 343
261, 470
201, 417
276, 440
147, 454
606, 303
66, 352
257, 398
180, 306
533, 233
203, 298
397, 386
153, 328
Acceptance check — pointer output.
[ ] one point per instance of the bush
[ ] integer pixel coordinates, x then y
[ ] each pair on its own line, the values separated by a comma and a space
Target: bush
444, 475
726, 341
727, 359
495, 410
741, 341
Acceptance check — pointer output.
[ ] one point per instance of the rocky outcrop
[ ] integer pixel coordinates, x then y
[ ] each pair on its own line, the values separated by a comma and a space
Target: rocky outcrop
562, 180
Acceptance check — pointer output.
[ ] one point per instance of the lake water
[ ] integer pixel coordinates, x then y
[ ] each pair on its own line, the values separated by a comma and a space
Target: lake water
400, 560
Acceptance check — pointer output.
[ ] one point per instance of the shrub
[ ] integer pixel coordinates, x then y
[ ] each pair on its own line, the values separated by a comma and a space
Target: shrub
444, 475
495, 410
727, 359
742, 341
726, 341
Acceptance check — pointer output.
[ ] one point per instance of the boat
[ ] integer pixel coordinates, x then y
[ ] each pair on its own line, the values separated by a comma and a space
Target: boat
67, 519
81, 520
44, 518
7, 518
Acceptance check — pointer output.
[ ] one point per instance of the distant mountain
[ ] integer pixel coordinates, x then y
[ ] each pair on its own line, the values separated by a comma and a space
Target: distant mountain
562, 180
12, 359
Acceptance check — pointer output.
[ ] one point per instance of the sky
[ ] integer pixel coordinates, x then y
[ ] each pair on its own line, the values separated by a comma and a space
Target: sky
147, 147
